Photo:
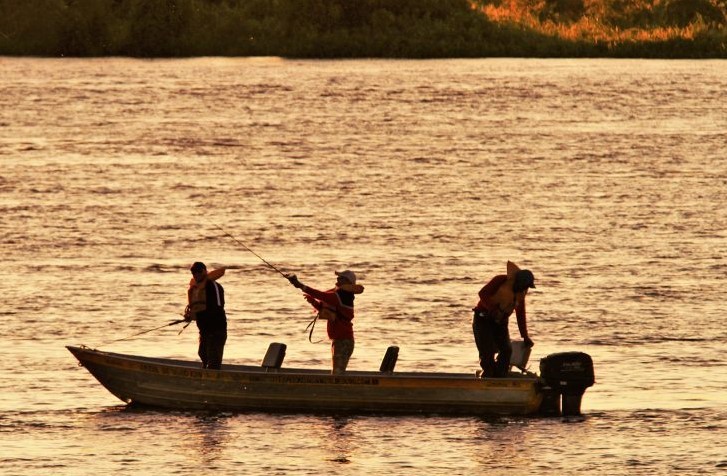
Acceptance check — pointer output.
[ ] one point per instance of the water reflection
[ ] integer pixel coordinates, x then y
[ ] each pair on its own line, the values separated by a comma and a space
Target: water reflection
207, 437
499, 442
201, 437
338, 436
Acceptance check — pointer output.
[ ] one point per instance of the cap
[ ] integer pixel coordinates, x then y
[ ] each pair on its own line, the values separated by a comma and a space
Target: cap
347, 274
524, 279
197, 266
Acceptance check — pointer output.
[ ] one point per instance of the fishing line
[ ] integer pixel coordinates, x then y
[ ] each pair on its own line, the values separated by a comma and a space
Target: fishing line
248, 249
312, 323
146, 331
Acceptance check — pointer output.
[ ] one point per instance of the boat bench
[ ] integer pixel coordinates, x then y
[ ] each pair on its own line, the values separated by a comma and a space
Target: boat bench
275, 355
389, 361
273, 359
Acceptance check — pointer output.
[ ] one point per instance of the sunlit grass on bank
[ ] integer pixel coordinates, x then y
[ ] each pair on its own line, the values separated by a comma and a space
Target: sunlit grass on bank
698, 38
587, 28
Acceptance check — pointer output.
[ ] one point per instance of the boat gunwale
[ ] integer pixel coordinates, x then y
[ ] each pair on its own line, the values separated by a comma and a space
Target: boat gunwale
294, 371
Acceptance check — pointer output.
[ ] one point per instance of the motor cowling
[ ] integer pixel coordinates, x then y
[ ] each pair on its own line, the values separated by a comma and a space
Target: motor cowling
566, 375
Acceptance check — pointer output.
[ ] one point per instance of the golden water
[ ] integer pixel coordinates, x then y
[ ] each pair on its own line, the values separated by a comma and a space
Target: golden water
606, 178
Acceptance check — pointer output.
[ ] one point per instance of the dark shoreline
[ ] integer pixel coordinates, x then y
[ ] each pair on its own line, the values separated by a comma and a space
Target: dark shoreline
324, 29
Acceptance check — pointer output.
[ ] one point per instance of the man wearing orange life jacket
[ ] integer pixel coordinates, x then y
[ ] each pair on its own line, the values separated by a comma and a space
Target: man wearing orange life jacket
336, 307
206, 300
498, 299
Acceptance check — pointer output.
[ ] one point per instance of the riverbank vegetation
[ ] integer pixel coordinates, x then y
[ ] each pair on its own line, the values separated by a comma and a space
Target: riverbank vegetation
365, 28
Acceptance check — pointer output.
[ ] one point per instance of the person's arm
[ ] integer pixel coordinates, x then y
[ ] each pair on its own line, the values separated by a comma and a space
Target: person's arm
328, 297
188, 315
216, 274
313, 302
312, 292
522, 323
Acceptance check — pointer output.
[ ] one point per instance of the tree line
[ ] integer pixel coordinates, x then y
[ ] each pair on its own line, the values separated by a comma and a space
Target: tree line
365, 28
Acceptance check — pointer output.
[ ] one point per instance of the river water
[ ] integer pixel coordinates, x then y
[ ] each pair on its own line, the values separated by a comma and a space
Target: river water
606, 178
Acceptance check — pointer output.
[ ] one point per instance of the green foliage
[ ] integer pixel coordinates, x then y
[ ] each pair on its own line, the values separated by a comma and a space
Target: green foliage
24, 31
349, 28
159, 27
86, 31
683, 12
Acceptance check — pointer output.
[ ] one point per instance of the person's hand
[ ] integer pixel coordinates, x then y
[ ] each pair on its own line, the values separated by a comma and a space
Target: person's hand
310, 299
294, 281
187, 314
528, 342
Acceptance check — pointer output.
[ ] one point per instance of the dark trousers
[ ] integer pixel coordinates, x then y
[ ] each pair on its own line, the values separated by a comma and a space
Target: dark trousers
211, 347
492, 338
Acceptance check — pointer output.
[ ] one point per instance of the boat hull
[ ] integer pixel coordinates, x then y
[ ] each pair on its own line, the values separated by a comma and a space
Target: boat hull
176, 384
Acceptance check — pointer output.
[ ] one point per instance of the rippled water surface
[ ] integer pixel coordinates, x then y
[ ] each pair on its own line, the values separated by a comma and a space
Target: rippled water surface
606, 178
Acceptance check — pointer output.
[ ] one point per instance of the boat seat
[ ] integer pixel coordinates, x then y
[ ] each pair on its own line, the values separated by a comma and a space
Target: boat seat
273, 359
389, 361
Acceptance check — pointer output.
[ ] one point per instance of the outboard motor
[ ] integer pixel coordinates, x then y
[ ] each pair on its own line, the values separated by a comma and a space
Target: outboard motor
566, 374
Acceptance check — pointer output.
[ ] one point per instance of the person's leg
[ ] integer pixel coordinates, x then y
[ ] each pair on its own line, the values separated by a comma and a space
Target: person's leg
341, 351
215, 349
202, 350
501, 337
485, 344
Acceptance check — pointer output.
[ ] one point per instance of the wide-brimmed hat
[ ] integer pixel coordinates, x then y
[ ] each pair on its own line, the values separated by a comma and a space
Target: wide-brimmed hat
347, 274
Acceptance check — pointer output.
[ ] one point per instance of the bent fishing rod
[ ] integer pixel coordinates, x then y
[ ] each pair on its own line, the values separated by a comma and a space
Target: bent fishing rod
248, 249
312, 323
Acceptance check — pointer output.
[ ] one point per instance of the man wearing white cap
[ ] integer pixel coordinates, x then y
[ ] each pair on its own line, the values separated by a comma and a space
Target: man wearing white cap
336, 307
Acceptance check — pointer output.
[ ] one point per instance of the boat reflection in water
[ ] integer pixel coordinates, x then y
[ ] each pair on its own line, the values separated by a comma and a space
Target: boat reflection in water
177, 384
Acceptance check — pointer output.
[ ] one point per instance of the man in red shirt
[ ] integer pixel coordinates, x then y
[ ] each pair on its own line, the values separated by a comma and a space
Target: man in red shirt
498, 299
336, 307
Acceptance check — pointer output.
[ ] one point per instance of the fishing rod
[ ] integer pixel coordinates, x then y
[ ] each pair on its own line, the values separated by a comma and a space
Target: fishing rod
248, 249
312, 323
146, 331
184, 327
